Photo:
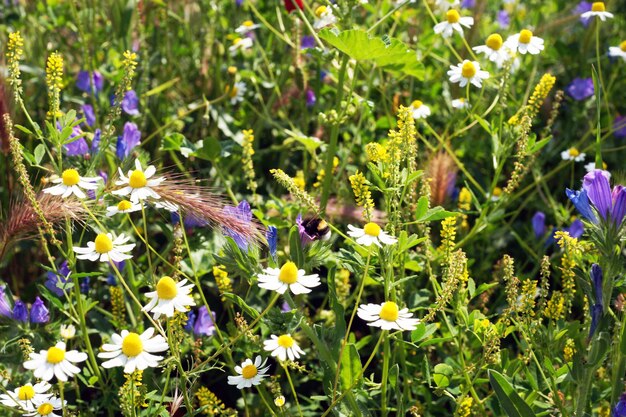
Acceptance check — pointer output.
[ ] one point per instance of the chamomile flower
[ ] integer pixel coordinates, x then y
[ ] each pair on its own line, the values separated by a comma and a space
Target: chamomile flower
123, 206
467, 72
283, 347
45, 407
25, 396
67, 331
279, 401
453, 22
371, 234
524, 42
106, 249
71, 183
138, 183
495, 195
494, 50
447, 4
249, 373
246, 27
573, 154
288, 277
169, 296
55, 361
618, 51
460, 103
419, 110
325, 17
133, 351
240, 44
236, 92
591, 166
597, 9
387, 316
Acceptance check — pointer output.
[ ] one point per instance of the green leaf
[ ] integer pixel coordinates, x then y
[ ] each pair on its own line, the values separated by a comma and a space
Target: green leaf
442, 375
422, 207
295, 247
40, 151
350, 366
239, 301
210, 150
436, 213
172, 142
511, 402
393, 56
162, 87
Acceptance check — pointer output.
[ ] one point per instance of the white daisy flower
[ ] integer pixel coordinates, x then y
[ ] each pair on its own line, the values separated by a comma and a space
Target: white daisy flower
573, 154
325, 17
495, 196
370, 234
123, 206
55, 361
493, 50
138, 183
447, 4
247, 26
236, 92
524, 42
597, 9
387, 316
133, 351
46, 407
71, 183
105, 248
453, 22
283, 347
240, 44
467, 72
166, 205
288, 277
420, 110
26, 395
67, 331
618, 51
249, 373
169, 296
279, 401
460, 103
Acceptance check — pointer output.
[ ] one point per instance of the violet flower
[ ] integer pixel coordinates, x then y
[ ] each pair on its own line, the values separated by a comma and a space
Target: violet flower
503, 19
619, 127
576, 229
130, 103
5, 308
77, 147
580, 88
581, 202
608, 204
272, 240
20, 311
90, 116
204, 324
539, 224
130, 139
38, 312
60, 277
583, 7
241, 212
87, 84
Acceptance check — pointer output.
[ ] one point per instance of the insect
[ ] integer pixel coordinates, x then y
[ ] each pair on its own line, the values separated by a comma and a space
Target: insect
316, 228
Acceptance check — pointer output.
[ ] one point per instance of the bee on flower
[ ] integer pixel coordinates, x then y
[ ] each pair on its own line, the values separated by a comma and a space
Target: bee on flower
283, 347
453, 22
249, 373
387, 316
525, 42
169, 296
494, 50
247, 27
371, 234
123, 206
288, 277
240, 44
618, 51
55, 361
106, 249
419, 110
236, 92
573, 154
324, 17
597, 10
133, 351
139, 183
25, 396
71, 183
46, 407
467, 72
460, 103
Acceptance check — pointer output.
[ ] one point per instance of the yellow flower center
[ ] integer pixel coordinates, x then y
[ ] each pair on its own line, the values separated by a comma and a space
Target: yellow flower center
573, 152
249, 371
371, 229
132, 345
525, 36
45, 409
389, 311
248, 23
236, 41
497, 192
494, 41
124, 205
232, 91
285, 341
622, 46
137, 179
55, 355
598, 6
320, 11
452, 16
288, 273
26, 393
468, 70
70, 177
103, 243
416, 104
166, 288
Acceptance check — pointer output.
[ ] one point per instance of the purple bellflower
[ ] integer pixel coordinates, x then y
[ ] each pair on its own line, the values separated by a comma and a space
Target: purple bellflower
38, 312
243, 213
87, 84
608, 204
20, 311
130, 139
130, 103
204, 324
539, 224
580, 88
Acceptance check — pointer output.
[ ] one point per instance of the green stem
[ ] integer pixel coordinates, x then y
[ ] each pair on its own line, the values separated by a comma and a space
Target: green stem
386, 355
293, 390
